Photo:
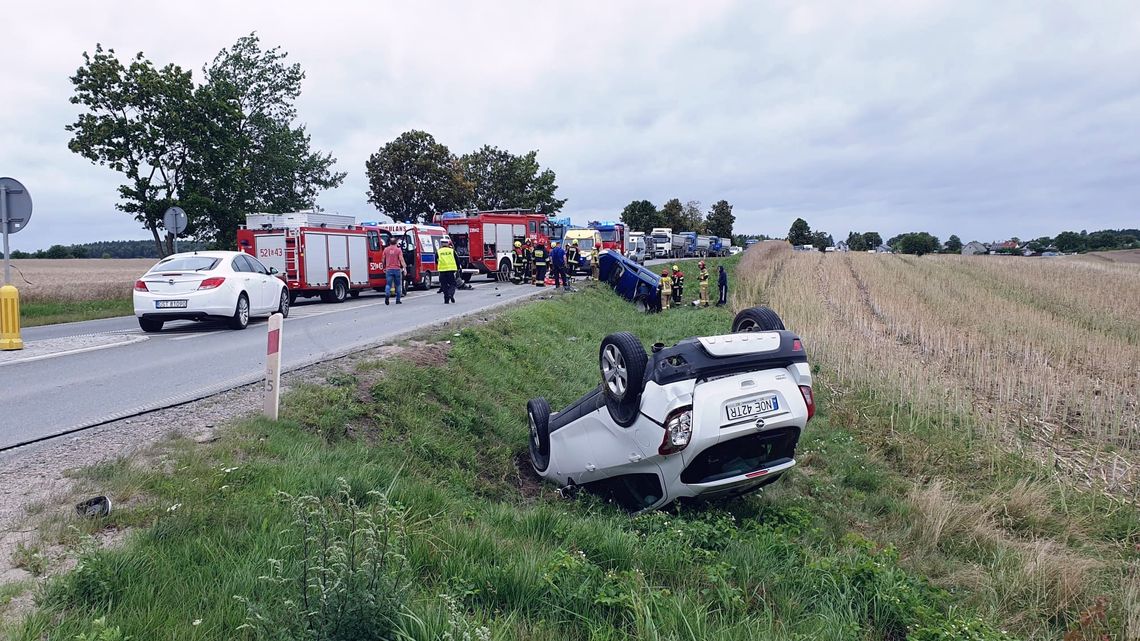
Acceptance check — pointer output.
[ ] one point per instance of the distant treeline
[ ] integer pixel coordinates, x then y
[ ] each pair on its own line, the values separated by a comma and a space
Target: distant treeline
106, 249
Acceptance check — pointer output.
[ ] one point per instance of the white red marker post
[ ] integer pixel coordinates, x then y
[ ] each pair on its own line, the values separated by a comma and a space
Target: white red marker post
273, 367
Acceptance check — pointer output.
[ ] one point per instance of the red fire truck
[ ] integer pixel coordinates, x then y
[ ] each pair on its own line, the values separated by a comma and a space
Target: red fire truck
484, 240
613, 235
318, 254
420, 244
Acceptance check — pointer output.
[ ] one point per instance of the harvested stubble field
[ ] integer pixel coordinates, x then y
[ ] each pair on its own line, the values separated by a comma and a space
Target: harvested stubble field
1007, 390
45, 280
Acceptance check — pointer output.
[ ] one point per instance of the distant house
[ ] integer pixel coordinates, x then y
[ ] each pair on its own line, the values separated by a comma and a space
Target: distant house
974, 248
841, 246
882, 249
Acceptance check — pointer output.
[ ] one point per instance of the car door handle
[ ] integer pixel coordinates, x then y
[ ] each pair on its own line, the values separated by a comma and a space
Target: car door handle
635, 457
590, 467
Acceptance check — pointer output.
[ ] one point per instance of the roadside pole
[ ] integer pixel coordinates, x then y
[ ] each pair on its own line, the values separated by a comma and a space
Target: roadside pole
273, 367
14, 216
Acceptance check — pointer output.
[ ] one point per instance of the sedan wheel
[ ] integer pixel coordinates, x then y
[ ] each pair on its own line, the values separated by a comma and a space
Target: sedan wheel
614, 373
240, 319
283, 306
622, 362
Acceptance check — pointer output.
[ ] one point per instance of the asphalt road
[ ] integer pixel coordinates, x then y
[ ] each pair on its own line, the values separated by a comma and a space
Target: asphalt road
58, 393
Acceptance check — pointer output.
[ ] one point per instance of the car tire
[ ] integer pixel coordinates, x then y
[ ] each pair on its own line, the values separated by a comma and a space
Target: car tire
621, 362
756, 319
240, 319
339, 291
615, 275
284, 304
150, 325
425, 282
504, 273
538, 419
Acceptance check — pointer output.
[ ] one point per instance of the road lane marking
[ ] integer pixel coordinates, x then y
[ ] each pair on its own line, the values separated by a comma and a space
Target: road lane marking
195, 335
130, 340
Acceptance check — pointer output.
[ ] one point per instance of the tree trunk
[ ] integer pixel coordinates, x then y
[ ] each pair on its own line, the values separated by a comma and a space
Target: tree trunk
157, 241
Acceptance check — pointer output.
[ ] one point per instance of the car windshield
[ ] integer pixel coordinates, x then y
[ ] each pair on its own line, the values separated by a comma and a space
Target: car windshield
585, 243
608, 236
186, 264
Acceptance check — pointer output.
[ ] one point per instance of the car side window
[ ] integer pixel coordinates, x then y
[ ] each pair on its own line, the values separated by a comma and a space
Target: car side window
256, 265
239, 265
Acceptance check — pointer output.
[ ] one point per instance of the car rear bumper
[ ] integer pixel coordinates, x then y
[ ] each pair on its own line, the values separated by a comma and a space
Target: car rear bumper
199, 305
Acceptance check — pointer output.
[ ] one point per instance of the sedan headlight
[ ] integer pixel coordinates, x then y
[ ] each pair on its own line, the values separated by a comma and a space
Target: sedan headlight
678, 431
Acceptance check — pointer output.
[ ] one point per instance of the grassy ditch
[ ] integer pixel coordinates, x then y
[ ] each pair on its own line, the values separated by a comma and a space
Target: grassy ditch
393, 501
52, 312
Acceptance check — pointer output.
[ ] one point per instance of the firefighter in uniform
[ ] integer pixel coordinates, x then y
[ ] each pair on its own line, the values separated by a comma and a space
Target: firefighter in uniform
528, 261
540, 262
666, 288
572, 258
678, 284
594, 266
519, 259
703, 284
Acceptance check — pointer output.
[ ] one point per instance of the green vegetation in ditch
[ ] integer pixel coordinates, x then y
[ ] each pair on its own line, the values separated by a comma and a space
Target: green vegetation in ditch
50, 313
393, 501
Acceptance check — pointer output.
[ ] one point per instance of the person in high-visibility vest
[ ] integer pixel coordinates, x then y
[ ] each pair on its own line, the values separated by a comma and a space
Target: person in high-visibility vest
540, 263
572, 258
703, 284
448, 268
666, 289
594, 266
528, 261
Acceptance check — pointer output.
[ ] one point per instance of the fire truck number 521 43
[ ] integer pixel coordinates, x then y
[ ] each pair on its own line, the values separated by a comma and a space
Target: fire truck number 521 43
269, 252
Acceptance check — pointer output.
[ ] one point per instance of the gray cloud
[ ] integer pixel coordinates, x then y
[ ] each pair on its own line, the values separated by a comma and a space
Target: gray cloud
977, 119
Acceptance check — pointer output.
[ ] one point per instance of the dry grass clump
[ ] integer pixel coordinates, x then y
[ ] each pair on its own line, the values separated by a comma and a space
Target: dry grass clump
44, 280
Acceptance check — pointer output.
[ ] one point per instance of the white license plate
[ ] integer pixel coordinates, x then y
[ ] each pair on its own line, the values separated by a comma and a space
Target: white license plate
756, 406
168, 304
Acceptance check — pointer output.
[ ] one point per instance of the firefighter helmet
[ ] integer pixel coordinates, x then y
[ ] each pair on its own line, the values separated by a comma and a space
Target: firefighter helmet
701, 264
575, 243
676, 268
665, 272
518, 243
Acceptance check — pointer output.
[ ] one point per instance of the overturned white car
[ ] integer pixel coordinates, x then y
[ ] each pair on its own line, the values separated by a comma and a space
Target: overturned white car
713, 416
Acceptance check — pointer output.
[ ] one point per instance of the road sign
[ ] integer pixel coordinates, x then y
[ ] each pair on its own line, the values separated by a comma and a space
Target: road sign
15, 212
174, 220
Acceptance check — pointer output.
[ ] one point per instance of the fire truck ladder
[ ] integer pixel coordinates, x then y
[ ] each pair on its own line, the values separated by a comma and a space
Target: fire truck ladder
292, 257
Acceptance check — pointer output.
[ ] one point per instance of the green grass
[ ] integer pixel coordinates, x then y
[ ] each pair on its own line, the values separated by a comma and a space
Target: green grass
478, 546
50, 313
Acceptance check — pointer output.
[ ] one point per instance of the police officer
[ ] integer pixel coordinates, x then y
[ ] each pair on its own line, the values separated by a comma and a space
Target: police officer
703, 284
519, 258
572, 258
666, 288
447, 269
722, 283
678, 284
540, 263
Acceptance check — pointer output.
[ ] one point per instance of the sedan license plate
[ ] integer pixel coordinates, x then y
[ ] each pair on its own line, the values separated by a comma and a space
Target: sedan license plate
738, 411
167, 304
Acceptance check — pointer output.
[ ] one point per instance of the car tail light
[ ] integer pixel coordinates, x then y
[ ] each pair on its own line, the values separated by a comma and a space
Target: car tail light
212, 283
809, 398
678, 431
140, 286
797, 346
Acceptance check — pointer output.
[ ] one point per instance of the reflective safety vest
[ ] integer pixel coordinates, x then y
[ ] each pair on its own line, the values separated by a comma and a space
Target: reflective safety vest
540, 256
667, 283
704, 275
446, 260
572, 255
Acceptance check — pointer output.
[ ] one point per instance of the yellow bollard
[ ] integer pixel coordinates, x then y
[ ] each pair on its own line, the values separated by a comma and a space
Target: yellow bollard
10, 319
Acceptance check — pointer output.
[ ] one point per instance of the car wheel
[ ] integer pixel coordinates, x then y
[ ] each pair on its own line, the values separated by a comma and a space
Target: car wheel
621, 361
240, 319
150, 325
339, 290
756, 319
504, 271
538, 419
284, 305
425, 282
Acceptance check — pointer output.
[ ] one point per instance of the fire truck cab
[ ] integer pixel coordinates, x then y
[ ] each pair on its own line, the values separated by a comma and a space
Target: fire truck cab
420, 244
613, 235
484, 241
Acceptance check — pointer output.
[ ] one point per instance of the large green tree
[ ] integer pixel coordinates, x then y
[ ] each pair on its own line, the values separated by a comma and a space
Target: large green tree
414, 177
800, 233
821, 240
953, 245
692, 217
141, 121
255, 159
873, 239
673, 215
501, 180
641, 215
856, 242
917, 242
720, 220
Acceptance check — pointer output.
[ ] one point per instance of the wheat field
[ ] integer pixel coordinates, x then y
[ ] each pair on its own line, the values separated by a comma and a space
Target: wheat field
1041, 356
44, 280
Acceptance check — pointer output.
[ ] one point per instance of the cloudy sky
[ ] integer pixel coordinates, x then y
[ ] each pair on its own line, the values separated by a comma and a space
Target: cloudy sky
982, 119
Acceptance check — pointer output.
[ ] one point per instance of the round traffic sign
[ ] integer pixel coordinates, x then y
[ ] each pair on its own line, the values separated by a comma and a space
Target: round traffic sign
19, 204
174, 220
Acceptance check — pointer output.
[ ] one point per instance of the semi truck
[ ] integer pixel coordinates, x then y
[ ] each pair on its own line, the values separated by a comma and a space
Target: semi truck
662, 242
704, 244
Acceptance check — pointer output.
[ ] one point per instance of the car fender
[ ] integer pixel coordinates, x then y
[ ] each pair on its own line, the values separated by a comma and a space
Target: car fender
657, 401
